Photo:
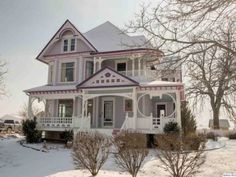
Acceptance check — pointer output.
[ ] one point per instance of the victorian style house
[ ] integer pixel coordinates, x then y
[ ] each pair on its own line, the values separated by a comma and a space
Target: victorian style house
107, 81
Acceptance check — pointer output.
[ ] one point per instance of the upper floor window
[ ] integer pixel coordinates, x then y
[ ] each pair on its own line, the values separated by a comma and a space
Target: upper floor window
121, 66
89, 68
50, 74
69, 45
67, 72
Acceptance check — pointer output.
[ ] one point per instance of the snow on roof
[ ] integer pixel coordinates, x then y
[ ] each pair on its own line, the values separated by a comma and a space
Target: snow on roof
161, 83
108, 37
51, 88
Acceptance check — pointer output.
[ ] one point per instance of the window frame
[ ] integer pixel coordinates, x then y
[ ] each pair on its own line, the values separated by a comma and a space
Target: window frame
69, 39
74, 71
124, 105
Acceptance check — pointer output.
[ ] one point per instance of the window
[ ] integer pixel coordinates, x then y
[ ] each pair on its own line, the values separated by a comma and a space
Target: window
72, 45
121, 66
89, 68
164, 79
67, 72
128, 105
65, 45
65, 108
50, 74
69, 45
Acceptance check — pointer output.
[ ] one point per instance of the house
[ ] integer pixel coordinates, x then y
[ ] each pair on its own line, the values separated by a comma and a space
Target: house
107, 81
224, 124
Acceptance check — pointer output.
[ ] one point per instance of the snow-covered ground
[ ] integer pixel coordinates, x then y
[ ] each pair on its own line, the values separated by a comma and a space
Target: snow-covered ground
18, 161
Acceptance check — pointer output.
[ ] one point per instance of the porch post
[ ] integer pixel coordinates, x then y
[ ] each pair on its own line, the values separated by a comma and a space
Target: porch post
94, 65
74, 106
139, 66
99, 63
133, 66
30, 115
178, 108
134, 108
82, 113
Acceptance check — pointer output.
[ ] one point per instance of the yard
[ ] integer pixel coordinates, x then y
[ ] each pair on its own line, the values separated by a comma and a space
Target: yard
25, 162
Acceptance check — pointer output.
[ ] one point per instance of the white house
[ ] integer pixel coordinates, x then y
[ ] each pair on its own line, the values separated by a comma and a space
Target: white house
107, 81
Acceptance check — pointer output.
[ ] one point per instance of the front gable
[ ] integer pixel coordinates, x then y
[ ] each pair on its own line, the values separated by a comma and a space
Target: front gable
54, 46
107, 77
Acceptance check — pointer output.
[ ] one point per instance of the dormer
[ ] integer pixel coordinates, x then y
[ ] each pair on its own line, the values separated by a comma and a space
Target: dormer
68, 39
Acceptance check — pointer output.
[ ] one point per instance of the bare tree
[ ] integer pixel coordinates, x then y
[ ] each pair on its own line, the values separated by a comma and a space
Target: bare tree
37, 112
90, 151
131, 150
180, 28
2, 73
176, 155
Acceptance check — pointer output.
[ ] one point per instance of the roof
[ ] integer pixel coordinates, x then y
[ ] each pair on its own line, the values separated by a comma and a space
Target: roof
51, 88
9, 116
224, 123
108, 37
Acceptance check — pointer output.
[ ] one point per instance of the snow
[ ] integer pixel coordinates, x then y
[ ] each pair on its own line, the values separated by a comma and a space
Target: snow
18, 161
161, 83
108, 37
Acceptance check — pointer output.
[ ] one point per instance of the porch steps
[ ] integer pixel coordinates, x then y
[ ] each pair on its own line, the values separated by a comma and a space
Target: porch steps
115, 132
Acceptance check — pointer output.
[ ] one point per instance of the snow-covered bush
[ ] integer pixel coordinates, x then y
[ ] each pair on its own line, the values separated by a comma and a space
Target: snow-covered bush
90, 151
31, 133
131, 150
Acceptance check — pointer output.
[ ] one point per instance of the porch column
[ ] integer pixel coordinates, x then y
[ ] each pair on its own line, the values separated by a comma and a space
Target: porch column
74, 107
134, 108
133, 67
139, 66
82, 113
94, 65
178, 108
30, 114
100, 63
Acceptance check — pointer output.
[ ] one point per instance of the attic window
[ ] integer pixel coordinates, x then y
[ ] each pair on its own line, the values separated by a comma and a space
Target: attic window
69, 45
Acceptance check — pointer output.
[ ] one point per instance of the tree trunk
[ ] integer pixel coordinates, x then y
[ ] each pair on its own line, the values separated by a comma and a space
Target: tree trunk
216, 122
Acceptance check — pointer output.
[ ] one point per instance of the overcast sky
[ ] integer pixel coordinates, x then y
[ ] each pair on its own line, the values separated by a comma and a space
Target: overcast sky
27, 25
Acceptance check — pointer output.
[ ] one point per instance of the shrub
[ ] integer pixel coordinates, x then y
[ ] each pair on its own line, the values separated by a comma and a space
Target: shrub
131, 150
67, 135
193, 141
171, 127
211, 135
174, 157
188, 120
29, 130
232, 135
90, 151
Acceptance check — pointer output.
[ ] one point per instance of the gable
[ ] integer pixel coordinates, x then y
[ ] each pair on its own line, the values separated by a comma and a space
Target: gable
107, 77
67, 29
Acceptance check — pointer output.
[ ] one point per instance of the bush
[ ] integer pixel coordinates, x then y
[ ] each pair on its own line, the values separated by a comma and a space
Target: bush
175, 159
193, 141
211, 135
188, 120
232, 135
67, 135
90, 151
131, 150
29, 130
171, 127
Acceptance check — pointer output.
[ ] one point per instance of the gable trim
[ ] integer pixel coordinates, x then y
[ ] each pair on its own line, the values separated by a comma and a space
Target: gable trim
63, 30
135, 83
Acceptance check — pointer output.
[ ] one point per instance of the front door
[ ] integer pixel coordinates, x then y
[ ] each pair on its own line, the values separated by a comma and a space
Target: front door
108, 113
161, 109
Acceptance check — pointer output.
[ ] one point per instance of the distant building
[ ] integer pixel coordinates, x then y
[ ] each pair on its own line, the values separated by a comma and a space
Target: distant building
224, 124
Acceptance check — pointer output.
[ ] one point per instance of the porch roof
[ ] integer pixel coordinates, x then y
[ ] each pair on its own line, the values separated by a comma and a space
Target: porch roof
53, 88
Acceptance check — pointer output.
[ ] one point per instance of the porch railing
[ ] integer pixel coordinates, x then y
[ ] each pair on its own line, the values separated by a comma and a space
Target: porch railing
141, 75
63, 122
147, 123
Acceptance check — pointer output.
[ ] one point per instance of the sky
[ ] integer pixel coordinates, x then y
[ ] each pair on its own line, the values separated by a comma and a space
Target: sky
26, 27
